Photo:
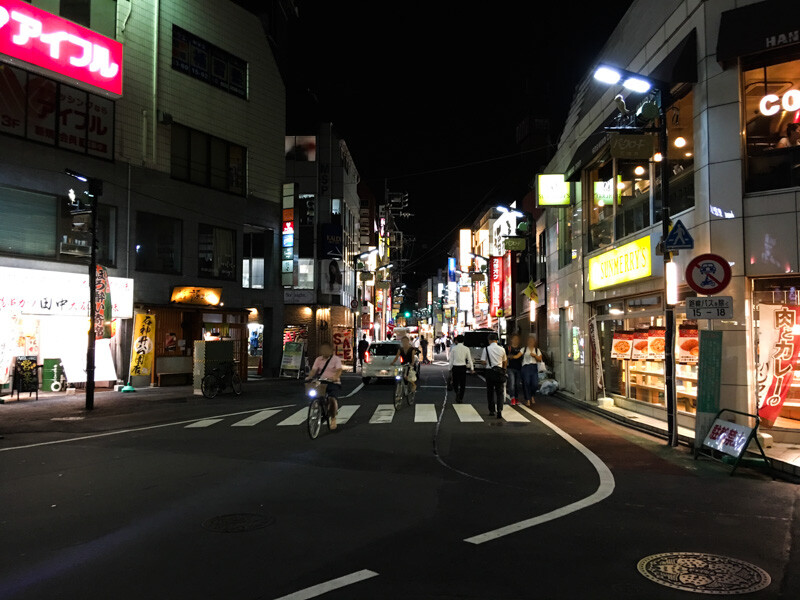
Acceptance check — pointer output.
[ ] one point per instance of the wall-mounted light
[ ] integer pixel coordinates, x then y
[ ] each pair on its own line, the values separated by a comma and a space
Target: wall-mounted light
680, 142
658, 157
639, 170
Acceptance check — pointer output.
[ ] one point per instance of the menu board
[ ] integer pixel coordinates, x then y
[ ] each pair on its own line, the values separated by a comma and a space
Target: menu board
656, 343
26, 374
639, 351
622, 345
688, 351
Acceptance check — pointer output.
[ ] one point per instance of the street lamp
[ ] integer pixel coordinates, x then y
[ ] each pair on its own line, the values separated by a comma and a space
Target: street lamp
640, 84
94, 192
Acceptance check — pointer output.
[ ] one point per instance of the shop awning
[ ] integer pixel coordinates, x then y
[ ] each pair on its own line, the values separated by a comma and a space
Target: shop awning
757, 28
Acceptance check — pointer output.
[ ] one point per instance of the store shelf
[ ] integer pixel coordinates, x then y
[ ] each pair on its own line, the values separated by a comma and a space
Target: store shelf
684, 392
642, 372
658, 388
686, 377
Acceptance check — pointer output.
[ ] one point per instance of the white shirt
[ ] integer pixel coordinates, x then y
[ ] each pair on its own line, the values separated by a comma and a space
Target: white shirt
531, 359
496, 353
460, 356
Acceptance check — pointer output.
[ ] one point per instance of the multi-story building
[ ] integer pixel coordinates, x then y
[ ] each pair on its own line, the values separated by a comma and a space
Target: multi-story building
732, 73
178, 108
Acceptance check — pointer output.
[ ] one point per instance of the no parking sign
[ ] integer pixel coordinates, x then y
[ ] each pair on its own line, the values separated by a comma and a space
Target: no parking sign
708, 274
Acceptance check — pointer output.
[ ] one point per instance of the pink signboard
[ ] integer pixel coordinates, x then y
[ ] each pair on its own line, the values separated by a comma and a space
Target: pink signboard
495, 285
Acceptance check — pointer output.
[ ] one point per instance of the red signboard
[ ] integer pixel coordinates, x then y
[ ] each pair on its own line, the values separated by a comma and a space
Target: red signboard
47, 41
781, 349
288, 227
495, 285
508, 283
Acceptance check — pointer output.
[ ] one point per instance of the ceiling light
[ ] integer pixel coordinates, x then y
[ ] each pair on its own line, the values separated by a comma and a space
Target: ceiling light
679, 142
688, 155
635, 84
639, 170
658, 157
607, 75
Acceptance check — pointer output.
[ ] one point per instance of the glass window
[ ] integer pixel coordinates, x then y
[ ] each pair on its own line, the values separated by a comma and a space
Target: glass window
180, 153
680, 132
218, 167
305, 274
772, 123
158, 243
633, 197
601, 213
74, 238
204, 61
541, 257
216, 252
564, 236
28, 223
253, 255
198, 157
207, 160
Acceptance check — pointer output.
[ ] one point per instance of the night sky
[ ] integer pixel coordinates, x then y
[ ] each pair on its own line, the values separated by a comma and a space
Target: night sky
416, 88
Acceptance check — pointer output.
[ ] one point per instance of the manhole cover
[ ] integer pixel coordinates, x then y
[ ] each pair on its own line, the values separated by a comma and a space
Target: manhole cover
703, 573
237, 523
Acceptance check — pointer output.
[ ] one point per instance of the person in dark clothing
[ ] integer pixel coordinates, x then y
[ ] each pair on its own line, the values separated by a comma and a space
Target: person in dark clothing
514, 373
363, 346
494, 356
423, 344
460, 358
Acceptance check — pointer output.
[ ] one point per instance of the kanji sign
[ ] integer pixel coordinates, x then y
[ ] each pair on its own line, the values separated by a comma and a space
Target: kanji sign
714, 307
60, 46
142, 350
729, 438
781, 348
496, 285
708, 274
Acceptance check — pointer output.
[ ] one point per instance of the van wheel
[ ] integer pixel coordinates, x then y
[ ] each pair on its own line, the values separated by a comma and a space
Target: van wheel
366, 380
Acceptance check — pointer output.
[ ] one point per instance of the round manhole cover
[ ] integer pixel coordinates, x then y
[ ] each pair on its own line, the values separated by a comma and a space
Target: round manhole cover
237, 523
703, 573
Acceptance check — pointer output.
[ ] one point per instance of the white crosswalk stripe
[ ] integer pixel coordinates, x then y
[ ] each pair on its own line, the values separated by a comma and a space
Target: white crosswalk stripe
256, 418
467, 413
297, 418
383, 414
345, 412
512, 416
203, 423
424, 413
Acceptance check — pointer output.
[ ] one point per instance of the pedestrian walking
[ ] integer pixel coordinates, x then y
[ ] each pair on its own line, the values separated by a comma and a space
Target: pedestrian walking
423, 344
514, 383
531, 361
447, 344
363, 346
495, 357
460, 357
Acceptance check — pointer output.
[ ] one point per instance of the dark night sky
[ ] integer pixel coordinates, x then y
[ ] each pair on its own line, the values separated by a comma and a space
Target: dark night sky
422, 86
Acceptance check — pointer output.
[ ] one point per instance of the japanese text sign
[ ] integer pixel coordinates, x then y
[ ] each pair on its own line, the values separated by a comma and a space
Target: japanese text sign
49, 42
778, 325
729, 438
142, 350
496, 285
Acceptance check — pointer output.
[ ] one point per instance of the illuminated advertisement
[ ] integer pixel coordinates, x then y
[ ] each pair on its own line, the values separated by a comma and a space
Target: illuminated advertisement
464, 248
552, 190
495, 285
451, 269
627, 263
47, 41
508, 284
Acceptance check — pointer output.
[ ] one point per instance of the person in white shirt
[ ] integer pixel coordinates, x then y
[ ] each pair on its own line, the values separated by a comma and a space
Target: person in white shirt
496, 363
531, 359
460, 357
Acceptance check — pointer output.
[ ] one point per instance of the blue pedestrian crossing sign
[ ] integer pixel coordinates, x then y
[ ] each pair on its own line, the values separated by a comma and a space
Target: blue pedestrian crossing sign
678, 238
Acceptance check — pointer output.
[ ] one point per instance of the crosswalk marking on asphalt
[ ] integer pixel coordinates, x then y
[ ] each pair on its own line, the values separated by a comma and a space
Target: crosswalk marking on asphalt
256, 418
203, 423
467, 413
512, 416
424, 413
297, 418
383, 414
345, 412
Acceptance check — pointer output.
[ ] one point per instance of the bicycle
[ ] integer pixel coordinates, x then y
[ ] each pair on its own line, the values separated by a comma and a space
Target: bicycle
403, 389
318, 410
217, 381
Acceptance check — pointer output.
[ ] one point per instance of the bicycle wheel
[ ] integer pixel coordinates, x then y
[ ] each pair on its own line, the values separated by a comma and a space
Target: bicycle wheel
236, 384
398, 395
210, 386
314, 418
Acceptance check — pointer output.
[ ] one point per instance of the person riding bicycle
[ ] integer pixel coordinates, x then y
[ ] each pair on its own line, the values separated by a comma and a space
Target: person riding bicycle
408, 356
328, 367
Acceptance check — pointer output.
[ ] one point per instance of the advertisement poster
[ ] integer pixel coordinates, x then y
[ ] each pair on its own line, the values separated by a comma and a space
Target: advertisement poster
41, 109
343, 342
292, 358
657, 345
778, 348
143, 349
639, 351
72, 119
330, 279
102, 304
622, 345
8, 346
688, 351
495, 285
12, 100
100, 123
295, 333
508, 286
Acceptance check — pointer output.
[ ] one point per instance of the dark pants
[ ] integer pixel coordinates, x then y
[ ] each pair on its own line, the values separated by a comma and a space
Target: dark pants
530, 380
424, 354
495, 393
459, 381
514, 383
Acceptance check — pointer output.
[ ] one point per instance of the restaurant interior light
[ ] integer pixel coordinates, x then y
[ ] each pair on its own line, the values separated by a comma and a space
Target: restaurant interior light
639, 170
607, 75
679, 142
636, 84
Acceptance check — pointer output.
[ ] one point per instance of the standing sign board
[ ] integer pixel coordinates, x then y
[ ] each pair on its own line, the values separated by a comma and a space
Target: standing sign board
709, 377
728, 438
708, 274
292, 360
26, 376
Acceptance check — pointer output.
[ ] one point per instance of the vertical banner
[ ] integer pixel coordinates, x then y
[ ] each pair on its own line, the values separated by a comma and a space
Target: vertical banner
343, 342
495, 285
509, 308
778, 352
102, 304
709, 374
597, 365
144, 331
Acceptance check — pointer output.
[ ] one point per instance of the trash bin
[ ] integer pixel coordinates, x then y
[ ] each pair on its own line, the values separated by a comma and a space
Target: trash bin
52, 372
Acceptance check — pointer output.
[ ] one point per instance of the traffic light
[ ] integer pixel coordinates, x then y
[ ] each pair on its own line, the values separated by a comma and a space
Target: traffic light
407, 314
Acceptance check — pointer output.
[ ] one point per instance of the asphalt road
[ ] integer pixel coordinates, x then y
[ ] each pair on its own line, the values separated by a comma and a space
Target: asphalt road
419, 504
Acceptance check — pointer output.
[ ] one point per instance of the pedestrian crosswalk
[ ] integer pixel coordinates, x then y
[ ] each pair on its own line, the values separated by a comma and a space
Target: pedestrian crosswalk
381, 414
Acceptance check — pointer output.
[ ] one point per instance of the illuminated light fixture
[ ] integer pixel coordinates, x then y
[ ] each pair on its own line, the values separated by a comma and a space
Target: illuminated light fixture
601, 203
636, 84
680, 142
672, 283
658, 157
616, 311
688, 154
620, 185
639, 170
607, 75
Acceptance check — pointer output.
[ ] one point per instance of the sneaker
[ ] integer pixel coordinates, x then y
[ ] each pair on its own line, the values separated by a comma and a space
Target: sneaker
332, 421
513, 402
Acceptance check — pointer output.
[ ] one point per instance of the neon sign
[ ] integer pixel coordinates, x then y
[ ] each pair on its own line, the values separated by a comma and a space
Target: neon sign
44, 40
771, 104
496, 285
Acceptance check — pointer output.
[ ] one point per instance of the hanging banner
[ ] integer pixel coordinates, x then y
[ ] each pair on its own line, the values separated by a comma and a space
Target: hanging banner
657, 346
509, 304
622, 345
495, 285
688, 351
778, 351
102, 304
142, 351
639, 351
596, 355
343, 342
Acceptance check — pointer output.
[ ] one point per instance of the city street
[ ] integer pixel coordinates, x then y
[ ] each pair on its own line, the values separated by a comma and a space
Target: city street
415, 503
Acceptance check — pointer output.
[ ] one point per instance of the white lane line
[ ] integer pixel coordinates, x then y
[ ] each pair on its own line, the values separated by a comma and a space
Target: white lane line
355, 391
131, 430
467, 413
297, 418
345, 412
256, 418
604, 490
204, 423
512, 416
329, 586
383, 414
424, 413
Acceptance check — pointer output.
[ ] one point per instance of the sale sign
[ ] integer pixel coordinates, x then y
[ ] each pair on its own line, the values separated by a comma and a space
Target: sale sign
343, 342
778, 353
45, 40
495, 285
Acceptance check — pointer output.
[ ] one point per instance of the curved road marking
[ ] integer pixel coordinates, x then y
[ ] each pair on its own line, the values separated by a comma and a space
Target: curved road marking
329, 586
604, 490
355, 391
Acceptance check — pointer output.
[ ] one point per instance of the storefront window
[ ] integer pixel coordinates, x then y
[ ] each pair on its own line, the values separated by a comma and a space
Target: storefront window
305, 274
772, 123
158, 243
74, 239
28, 223
633, 197
601, 211
257, 252
216, 252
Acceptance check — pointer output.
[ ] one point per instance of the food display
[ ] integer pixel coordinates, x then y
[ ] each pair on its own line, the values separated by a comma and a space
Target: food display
688, 345
656, 343
639, 351
621, 345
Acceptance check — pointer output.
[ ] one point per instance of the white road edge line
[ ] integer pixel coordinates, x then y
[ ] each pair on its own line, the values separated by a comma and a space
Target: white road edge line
329, 586
604, 490
135, 429
355, 391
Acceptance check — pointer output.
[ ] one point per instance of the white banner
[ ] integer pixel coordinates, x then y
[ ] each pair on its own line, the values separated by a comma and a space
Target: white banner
728, 437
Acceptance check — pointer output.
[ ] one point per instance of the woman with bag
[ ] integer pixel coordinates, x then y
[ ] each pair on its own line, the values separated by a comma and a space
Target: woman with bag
531, 360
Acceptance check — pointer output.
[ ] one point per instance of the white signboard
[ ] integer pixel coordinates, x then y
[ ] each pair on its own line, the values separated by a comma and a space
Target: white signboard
34, 292
728, 437
713, 307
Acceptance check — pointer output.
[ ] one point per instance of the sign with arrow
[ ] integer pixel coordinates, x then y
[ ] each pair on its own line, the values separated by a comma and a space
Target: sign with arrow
678, 238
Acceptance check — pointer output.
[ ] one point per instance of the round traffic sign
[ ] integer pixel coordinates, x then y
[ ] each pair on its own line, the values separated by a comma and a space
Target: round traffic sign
354, 304
708, 274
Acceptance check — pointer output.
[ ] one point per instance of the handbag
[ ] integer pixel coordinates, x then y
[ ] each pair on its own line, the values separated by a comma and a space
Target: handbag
496, 374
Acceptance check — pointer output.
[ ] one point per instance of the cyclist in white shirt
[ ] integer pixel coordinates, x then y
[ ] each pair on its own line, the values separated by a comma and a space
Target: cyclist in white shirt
460, 357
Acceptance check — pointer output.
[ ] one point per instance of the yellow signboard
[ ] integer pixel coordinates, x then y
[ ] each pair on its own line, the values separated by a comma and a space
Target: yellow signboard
552, 190
197, 295
143, 349
626, 263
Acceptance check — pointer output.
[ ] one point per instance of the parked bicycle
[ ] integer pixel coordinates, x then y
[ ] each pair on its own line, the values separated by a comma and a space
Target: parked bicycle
403, 389
218, 380
321, 408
